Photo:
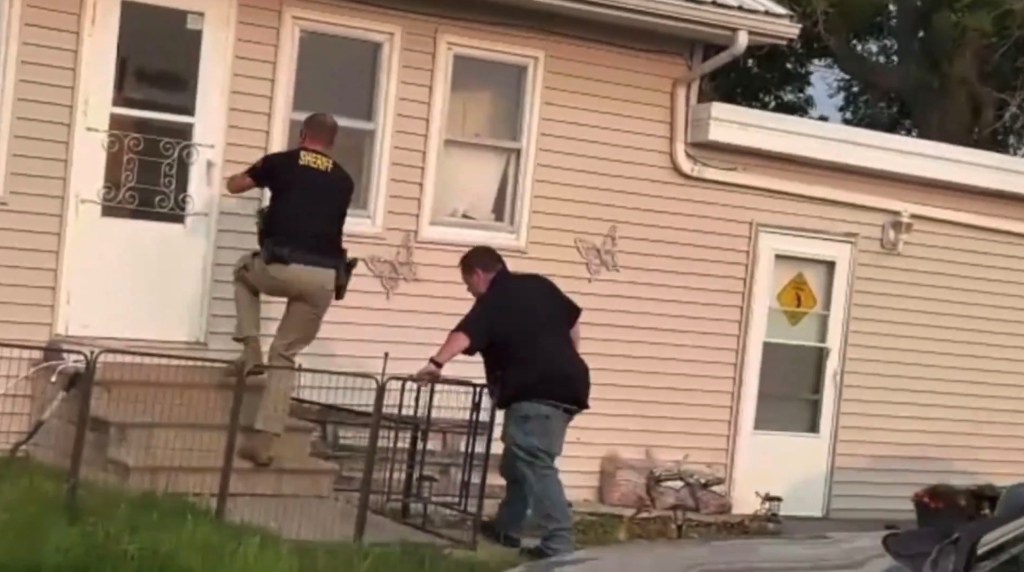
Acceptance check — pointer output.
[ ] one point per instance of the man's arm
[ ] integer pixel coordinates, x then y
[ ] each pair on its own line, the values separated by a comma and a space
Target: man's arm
468, 337
240, 183
253, 177
456, 343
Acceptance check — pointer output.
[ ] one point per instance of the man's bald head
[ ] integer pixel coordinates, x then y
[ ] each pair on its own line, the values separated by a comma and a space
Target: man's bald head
319, 130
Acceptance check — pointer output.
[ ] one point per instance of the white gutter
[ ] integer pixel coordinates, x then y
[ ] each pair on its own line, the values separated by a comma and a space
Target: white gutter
683, 97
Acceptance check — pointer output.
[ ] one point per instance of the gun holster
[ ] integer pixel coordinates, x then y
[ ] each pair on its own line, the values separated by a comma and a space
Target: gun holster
261, 225
343, 274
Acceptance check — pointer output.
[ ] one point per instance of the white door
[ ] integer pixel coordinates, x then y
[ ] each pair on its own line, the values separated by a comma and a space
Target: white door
791, 373
145, 170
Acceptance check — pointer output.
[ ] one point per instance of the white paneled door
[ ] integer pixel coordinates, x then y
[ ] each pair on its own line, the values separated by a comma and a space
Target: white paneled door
145, 173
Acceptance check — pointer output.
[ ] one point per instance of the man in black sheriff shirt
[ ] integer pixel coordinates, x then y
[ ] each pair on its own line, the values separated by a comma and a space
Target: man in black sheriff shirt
528, 333
301, 258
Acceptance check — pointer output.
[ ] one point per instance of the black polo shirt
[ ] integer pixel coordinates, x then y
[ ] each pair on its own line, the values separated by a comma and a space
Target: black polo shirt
521, 328
309, 198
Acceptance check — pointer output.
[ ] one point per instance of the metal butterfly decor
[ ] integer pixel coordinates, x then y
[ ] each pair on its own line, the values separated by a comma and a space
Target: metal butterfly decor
391, 272
600, 257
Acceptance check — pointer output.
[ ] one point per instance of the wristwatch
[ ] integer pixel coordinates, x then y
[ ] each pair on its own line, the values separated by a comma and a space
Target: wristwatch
433, 361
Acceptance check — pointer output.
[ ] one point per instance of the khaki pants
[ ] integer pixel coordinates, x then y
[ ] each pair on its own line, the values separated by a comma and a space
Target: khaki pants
309, 291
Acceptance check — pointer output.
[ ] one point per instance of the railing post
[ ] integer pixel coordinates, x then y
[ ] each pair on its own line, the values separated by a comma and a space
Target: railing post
478, 515
228, 464
366, 486
81, 432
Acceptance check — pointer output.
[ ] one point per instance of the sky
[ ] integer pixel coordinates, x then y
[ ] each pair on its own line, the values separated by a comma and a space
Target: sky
824, 103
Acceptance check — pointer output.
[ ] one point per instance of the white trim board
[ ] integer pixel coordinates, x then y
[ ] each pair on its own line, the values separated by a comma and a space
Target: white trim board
739, 128
684, 100
10, 38
448, 47
294, 20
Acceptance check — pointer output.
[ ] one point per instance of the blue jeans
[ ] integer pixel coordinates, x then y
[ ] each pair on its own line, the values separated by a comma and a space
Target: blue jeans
533, 435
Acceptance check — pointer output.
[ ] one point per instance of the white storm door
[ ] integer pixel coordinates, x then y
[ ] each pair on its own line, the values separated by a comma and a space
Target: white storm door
145, 171
791, 374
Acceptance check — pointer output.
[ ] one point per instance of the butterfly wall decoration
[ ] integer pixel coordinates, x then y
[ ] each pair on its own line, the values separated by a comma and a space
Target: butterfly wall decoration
391, 272
600, 257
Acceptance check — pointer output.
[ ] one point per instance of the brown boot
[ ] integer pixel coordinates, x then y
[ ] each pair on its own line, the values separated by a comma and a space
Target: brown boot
257, 447
252, 357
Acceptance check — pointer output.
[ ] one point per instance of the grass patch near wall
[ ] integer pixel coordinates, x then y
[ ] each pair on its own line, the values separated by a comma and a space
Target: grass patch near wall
119, 532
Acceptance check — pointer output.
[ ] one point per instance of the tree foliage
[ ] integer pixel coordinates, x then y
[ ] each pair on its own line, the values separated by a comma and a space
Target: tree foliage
945, 70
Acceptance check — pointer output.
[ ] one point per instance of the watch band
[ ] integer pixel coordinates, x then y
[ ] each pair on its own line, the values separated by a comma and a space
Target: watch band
435, 363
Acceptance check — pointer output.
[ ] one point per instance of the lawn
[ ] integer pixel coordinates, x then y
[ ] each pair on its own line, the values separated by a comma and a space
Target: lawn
118, 532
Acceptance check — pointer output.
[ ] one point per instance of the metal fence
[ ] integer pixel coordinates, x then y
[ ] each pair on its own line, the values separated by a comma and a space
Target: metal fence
432, 449
34, 417
172, 424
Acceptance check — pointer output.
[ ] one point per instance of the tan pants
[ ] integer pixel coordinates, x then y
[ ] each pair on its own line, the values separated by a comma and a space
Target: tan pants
309, 291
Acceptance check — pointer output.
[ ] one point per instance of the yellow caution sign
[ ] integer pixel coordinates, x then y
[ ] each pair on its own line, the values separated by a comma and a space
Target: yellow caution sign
797, 299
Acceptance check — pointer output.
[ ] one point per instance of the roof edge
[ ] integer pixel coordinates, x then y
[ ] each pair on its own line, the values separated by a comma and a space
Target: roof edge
690, 20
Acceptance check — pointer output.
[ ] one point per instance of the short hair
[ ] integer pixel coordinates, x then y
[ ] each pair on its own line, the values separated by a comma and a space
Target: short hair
321, 128
482, 258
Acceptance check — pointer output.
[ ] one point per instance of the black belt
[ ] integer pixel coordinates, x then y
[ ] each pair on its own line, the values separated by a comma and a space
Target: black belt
567, 409
276, 254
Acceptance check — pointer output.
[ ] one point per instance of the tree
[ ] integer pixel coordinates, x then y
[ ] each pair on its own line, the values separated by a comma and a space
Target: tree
945, 70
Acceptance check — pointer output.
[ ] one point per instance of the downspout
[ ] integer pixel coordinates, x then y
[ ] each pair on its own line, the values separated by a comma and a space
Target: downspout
684, 97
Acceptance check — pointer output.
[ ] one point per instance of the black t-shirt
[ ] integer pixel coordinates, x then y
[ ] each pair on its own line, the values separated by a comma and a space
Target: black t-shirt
309, 198
521, 326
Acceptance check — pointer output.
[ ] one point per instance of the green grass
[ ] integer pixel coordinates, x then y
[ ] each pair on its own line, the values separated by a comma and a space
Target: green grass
117, 532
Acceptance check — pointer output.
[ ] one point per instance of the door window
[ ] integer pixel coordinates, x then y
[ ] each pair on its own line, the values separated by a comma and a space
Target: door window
796, 350
150, 148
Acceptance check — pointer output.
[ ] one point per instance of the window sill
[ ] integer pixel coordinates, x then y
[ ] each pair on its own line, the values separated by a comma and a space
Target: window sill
454, 236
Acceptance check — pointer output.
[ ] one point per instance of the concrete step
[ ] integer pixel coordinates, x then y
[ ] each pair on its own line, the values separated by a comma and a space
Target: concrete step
178, 404
191, 445
144, 370
299, 478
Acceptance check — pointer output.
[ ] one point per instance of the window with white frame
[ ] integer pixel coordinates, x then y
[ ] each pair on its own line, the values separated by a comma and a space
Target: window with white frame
9, 26
482, 143
346, 69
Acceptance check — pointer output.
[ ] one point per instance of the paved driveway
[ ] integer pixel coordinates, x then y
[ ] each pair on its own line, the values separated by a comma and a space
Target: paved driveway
827, 552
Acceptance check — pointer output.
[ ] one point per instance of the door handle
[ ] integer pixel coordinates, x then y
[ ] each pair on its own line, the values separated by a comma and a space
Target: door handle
824, 366
211, 166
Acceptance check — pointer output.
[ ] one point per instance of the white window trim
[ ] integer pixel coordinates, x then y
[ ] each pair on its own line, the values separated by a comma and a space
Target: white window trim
447, 47
389, 37
11, 13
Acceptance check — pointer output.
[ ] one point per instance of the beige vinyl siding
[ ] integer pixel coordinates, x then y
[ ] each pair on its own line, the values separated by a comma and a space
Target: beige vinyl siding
662, 335
32, 205
933, 376
30, 222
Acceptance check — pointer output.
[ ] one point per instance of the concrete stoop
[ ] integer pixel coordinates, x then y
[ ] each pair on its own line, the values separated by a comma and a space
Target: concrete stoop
164, 429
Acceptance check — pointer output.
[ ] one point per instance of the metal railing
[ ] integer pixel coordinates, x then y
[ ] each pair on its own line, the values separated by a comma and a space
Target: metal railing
431, 455
172, 424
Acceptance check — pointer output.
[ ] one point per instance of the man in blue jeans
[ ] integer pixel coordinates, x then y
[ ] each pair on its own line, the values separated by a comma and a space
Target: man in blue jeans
528, 332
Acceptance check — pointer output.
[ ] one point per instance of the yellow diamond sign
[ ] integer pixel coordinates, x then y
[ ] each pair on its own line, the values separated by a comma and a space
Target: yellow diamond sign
796, 299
